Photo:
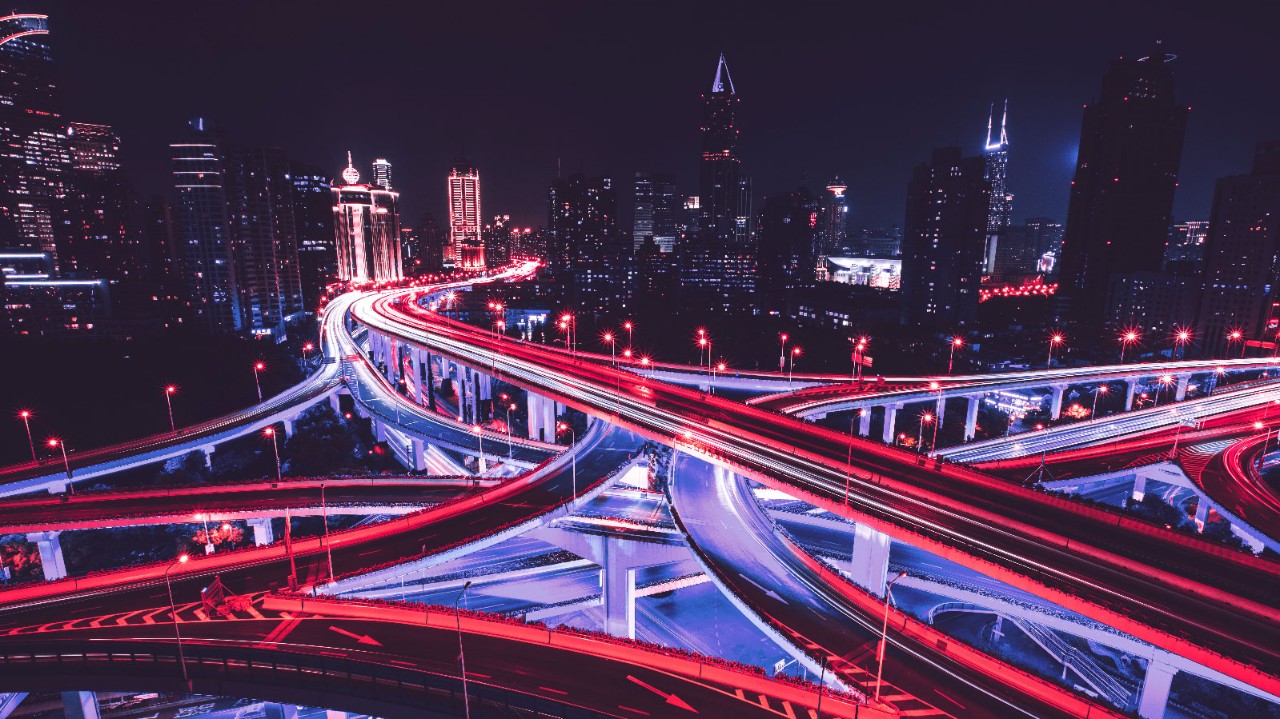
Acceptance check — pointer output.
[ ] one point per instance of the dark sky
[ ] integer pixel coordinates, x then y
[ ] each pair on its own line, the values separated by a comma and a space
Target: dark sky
857, 88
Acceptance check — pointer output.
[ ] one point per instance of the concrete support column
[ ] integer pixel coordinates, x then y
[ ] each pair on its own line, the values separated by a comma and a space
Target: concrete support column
262, 532
464, 395
1183, 382
971, 416
542, 418
80, 705
336, 403
1139, 487
864, 422
379, 430
1202, 512
870, 561
50, 546
890, 422
1131, 388
940, 409
1155, 689
417, 450
619, 591
420, 377
288, 428
1055, 405
208, 451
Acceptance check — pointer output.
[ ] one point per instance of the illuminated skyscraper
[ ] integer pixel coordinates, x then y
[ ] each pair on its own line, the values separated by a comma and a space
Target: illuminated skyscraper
465, 227
94, 229
588, 251
366, 226
201, 224
382, 173
313, 216
656, 210
1000, 215
833, 224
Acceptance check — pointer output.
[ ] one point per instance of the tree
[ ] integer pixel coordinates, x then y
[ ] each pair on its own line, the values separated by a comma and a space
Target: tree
321, 443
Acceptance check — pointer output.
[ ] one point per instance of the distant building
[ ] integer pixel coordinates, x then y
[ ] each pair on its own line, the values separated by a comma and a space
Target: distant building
1018, 252
498, 240
1184, 253
366, 225
788, 240
432, 242
202, 226
1122, 195
96, 235
465, 241
382, 173
880, 272
944, 240
876, 242
833, 235
38, 303
1241, 273
313, 219
996, 172
1154, 303
657, 210
588, 253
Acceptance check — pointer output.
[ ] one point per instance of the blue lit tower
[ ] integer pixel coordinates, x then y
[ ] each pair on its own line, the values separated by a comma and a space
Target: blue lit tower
997, 168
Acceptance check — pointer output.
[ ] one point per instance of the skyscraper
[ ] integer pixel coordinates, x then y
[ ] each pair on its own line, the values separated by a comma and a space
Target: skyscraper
464, 215
789, 231
432, 241
313, 217
498, 240
588, 251
996, 172
96, 235
34, 156
202, 227
1122, 194
366, 228
656, 210
382, 173
1242, 256
259, 193
948, 201
833, 223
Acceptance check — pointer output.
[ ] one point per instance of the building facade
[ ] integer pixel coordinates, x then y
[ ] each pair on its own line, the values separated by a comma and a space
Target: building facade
465, 231
366, 229
313, 219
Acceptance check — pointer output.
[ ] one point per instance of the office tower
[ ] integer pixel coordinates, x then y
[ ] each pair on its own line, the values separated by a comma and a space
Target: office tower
657, 210
366, 228
313, 218
163, 263
996, 171
719, 268
948, 201
789, 231
1241, 272
1184, 252
465, 242
34, 156
588, 251
410, 251
95, 233
1023, 252
656, 274
497, 236
382, 173
259, 193
832, 229
202, 226
433, 241
1122, 194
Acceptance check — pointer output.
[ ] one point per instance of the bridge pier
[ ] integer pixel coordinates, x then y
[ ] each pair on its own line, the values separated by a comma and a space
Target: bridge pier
80, 705
940, 409
890, 422
1055, 405
50, 547
208, 451
971, 417
1139, 486
288, 428
1131, 388
262, 532
869, 564
484, 392
1154, 697
542, 418
335, 402
1202, 513
864, 422
417, 450
1184, 381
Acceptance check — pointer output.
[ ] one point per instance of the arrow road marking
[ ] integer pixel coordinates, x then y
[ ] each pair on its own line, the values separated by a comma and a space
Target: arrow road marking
767, 592
360, 638
671, 699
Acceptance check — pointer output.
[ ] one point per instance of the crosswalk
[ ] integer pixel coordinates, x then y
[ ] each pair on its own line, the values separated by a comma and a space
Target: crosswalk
249, 607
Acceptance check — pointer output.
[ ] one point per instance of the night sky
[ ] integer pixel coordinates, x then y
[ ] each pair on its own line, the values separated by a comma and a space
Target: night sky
855, 88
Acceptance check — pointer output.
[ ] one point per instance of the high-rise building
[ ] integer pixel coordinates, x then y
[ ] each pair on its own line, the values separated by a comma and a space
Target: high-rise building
996, 172
382, 173
1184, 253
34, 152
202, 226
948, 201
588, 254
96, 235
366, 228
789, 235
657, 210
1241, 290
1122, 195
1022, 252
498, 240
313, 218
832, 225
432, 241
465, 239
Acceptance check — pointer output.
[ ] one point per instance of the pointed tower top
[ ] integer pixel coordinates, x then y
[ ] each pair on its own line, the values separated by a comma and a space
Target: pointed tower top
991, 111
722, 77
350, 175
1004, 135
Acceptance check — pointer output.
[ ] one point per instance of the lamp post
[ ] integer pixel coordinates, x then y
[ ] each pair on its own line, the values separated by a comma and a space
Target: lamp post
1165, 381
288, 530
328, 548
25, 416
719, 367
956, 343
1181, 337
258, 367
925, 418
782, 352
168, 398
1054, 340
1102, 389
791, 373
859, 349
630, 328
173, 610
573, 455
66, 464
208, 540
462, 657
306, 350
884, 632
613, 357
510, 407
1129, 337
480, 443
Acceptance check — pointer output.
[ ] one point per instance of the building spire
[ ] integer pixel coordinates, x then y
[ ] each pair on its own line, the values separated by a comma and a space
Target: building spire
991, 111
1004, 134
1004, 118
350, 175
722, 70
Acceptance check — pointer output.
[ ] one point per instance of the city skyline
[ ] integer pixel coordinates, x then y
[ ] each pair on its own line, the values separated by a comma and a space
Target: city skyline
580, 121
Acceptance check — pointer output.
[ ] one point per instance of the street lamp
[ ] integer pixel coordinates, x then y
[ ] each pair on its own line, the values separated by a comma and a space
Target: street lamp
462, 657
630, 328
55, 442
1129, 337
173, 610
258, 367
1165, 381
1236, 336
288, 530
208, 540
956, 343
168, 398
782, 352
306, 350
25, 416
884, 631
328, 548
719, 367
510, 408
1054, 340
859, 349
573, 455
791, 373
1181, 336
1102, 389
925, 418
608, 338
480, 442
